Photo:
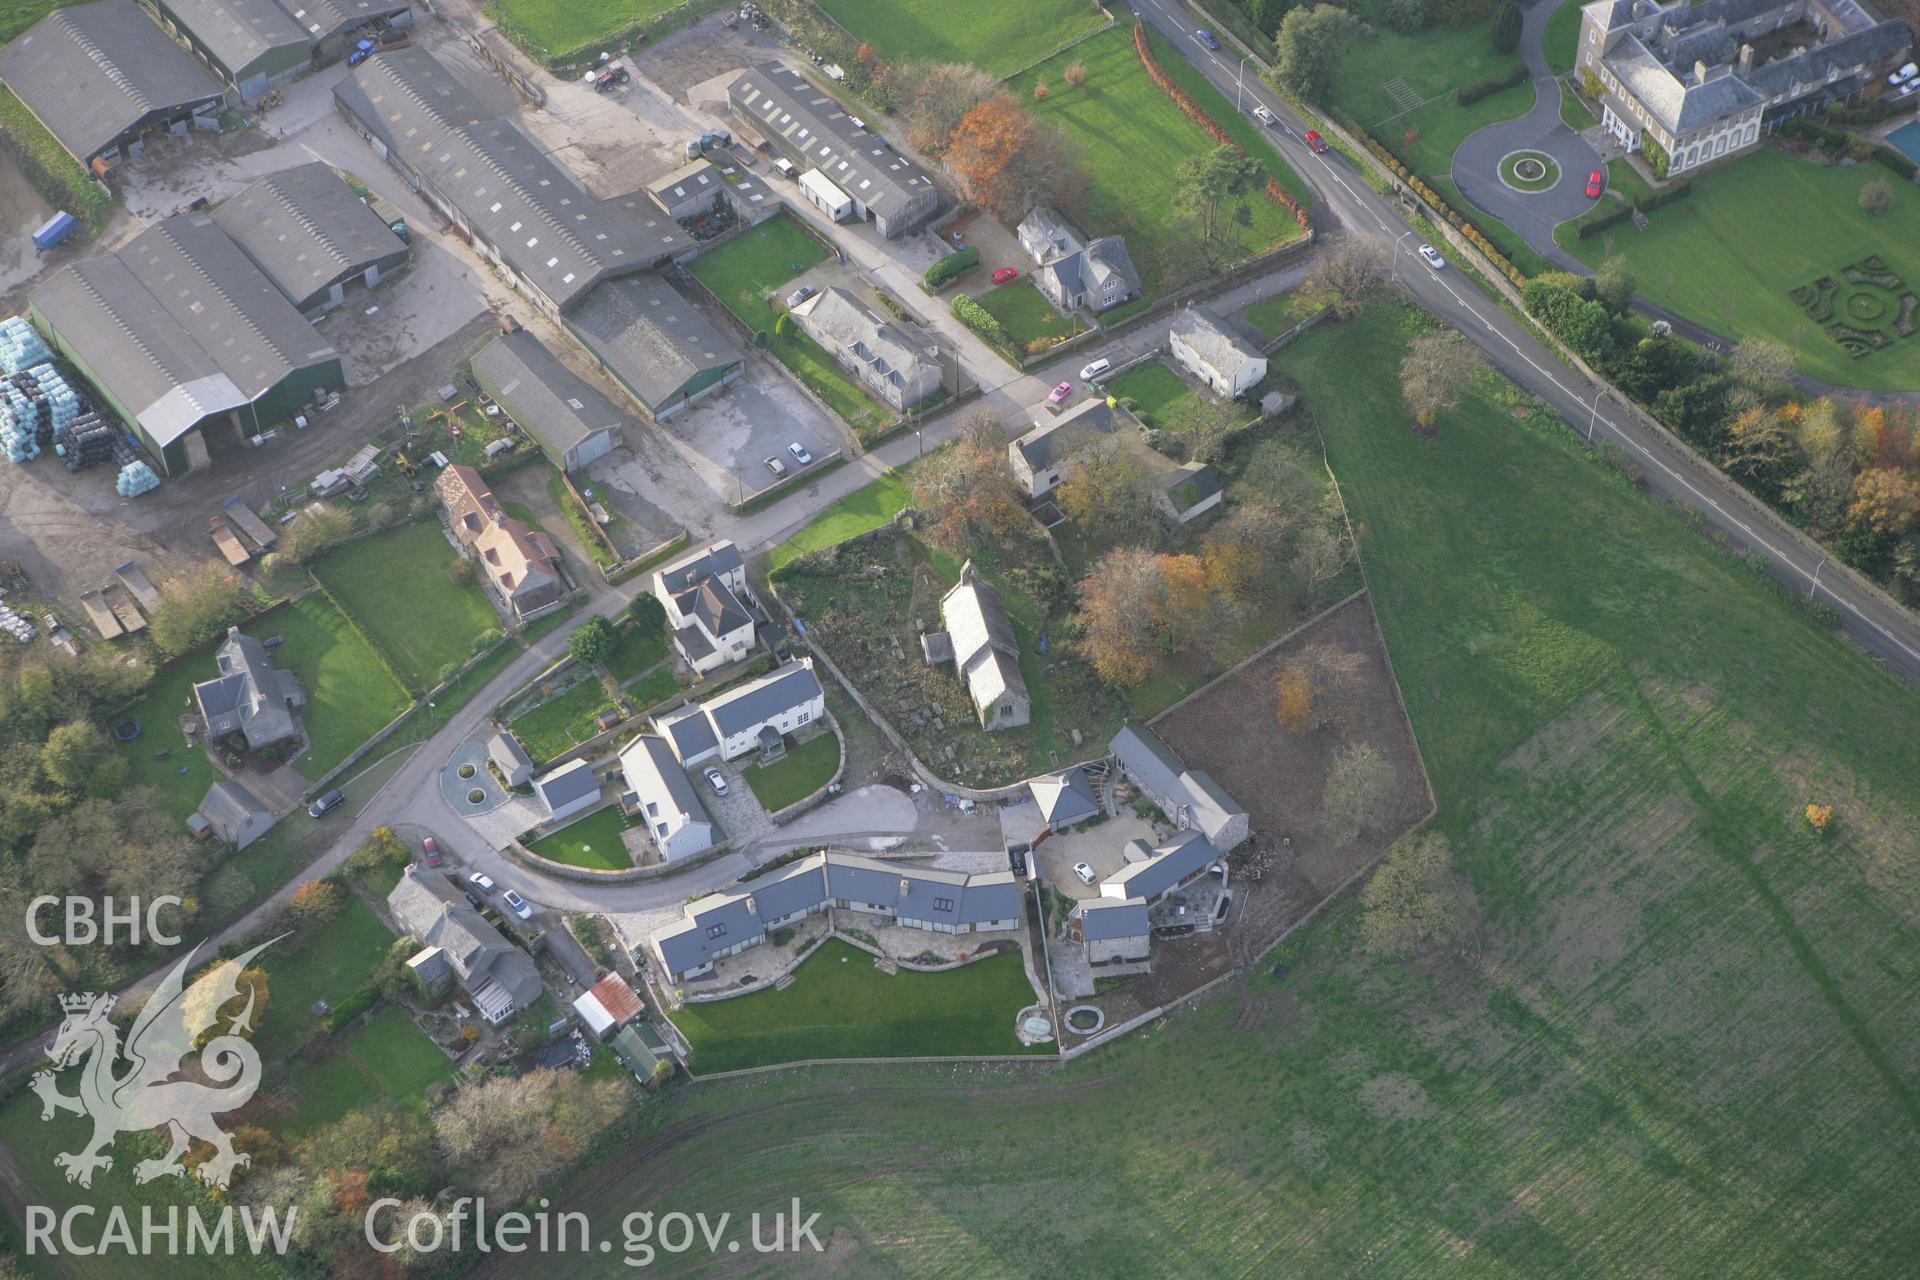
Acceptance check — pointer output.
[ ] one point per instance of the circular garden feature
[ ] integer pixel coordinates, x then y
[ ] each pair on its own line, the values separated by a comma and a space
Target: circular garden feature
476, 796
126, 730
1531, 171
467, 771
1085, 1018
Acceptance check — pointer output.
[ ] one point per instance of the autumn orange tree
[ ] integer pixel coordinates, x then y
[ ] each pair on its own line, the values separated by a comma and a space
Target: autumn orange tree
967, 492
1011, 161
1295, 693
1137, 606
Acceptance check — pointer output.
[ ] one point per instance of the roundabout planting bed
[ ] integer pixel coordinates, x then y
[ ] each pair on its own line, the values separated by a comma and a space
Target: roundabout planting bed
1530, 171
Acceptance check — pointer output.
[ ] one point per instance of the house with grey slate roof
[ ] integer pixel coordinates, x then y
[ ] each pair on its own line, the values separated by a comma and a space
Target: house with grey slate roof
1190, 798
1205, 347
1040, 457
1151, 873
510, 758
905, 894
1096, 278
747, 717
986, 651
1066, 797
663, 797
1688, 76
249, 697
1113, 931
568, 790
311, 235
898, 362
709, 608
233, 814
499, 978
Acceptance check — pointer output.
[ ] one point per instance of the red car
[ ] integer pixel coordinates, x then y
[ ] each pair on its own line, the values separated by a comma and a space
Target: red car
1317, 142
431, 851
1060, 394
1005, 274
1596, 183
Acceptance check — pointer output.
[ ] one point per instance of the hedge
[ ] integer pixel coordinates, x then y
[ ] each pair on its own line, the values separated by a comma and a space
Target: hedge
352, 1007
62, 181
1445, 211
1898, 161
1472, 93
1598, 220
980, 320
943, 271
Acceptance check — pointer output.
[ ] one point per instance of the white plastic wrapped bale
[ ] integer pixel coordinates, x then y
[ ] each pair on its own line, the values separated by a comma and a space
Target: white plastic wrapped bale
17, 437
21, 346
135, 479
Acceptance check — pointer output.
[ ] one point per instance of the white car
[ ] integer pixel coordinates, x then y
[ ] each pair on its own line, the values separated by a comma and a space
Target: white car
1432, 255
1263, 115
1904, 74
717, 782
1089, 372
799, 453
481, 881
517, 904
1083, 871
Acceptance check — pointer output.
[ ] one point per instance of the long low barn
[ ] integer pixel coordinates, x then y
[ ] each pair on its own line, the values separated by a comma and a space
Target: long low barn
570, 420
103, 77
179, 332
656, 343
311, 235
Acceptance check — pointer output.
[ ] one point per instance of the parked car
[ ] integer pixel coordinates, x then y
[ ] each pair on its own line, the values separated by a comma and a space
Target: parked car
717, 782
799, 453
1005, 274
1596, 183
800, 295
1207, 38
1060, 394
1091, 371
1084, 871
1909, 72
430, 850
1017, 859
1263, 115
327, 803
1432, 255
517, 904
1316, 142
776, 466
481, 881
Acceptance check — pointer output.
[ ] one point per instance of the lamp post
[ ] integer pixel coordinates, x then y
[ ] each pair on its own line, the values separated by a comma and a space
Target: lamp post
1239, 82
1394, 257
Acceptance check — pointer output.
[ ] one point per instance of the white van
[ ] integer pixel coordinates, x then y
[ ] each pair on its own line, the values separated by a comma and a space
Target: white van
785, 168
1097, 369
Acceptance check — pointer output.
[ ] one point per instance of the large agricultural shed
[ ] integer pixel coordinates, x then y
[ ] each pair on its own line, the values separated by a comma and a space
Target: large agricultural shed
179, 332
311, 235
571, 421
656, 343
252, 45
102, 78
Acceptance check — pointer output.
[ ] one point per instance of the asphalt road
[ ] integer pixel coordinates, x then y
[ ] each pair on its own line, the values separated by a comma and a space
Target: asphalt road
1882, 629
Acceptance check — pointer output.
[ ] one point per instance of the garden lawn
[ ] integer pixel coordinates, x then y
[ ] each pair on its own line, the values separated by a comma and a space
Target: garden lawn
1676, 996
656, 687
388, 1058
350, 693
999, 38
867, 507
1563, 37
1134, 138
1729, 255
399, 587
594, 841
559, 723
634, 652
184, 774
558, 28
1029, 319
1274, 316
330, 966
806, 769
1163, 399
840, 1006
748, 275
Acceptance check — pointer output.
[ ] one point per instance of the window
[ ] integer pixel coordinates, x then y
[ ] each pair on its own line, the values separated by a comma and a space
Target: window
803, 717
716, 931
943, 904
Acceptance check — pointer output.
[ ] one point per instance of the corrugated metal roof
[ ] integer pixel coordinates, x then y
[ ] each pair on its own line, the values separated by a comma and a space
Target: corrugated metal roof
551, 402
306, 229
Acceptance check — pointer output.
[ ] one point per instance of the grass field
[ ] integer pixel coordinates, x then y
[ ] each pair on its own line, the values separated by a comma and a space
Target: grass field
840, 1006
1729, 255
867, 507
558, 28
559, 723
747, 274
593, 841
350, 692
1685, 1047
1274, 316
997, 38
421, 618
1134, 139
1563, 37
806, 769
1029, 319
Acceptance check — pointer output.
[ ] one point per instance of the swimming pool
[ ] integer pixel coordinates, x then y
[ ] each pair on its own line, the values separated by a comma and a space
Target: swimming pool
1907, 138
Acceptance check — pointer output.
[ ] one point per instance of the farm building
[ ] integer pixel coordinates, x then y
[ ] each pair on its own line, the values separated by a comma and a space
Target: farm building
656, 344
334, 25
312, 236
816, 134
180, 332
688, 191
571, 421
102, 78
251, 45
402, 103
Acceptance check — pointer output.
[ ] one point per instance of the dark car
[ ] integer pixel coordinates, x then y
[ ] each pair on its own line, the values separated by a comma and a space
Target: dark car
327, 803
1207, 38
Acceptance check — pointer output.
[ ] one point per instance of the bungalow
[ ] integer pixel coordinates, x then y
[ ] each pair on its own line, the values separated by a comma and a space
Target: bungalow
232, 814
249, 697
1205, 347
1040, 457
460, 948
568, 790
708, 606
747, 716
664, 797
1190, 799
985, 650
519, 563
909, 895
1065, 798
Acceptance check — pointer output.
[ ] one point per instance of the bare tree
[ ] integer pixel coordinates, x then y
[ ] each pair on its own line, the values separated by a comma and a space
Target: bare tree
968, 491
1762, 366
1319, 556
1334, 675
1434, 373
1352, 271
941, 96
1357, 785
1414, 900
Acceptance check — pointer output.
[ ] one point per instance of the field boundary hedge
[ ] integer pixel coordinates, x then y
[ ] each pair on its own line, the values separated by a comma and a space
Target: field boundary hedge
62, 181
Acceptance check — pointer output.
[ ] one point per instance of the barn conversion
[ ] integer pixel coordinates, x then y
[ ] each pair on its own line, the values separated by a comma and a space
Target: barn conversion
312, 236
102, 78
179, 332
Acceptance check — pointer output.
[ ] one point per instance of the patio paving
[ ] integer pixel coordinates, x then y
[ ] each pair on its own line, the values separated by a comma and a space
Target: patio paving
458, 790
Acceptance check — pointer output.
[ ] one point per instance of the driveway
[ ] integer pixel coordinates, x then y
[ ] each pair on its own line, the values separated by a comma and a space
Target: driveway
1476, 162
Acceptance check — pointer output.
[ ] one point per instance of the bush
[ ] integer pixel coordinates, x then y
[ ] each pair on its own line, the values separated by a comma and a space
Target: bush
979, 319
60, 179
948, 268
1406, 17
1898, 161
1506, 29
352, 1007
1876, 197
1472, 93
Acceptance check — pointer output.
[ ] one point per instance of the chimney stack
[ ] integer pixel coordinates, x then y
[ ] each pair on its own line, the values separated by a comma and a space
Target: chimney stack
1700, 72
1746, 58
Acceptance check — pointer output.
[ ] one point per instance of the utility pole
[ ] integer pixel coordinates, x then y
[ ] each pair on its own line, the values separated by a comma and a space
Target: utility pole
1239, 83
1594, 416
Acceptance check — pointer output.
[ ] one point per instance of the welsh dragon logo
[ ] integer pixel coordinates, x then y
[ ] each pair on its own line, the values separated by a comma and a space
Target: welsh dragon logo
152, 1093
